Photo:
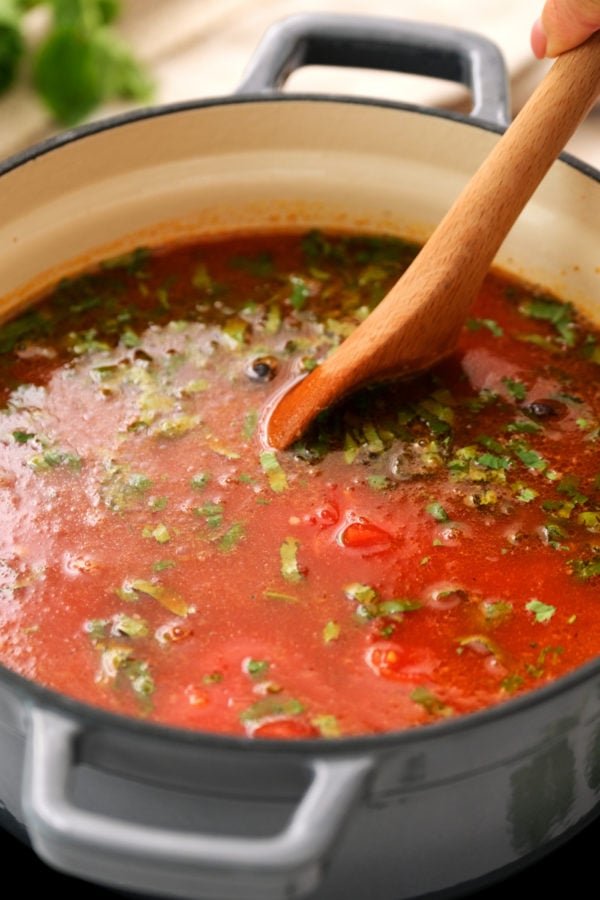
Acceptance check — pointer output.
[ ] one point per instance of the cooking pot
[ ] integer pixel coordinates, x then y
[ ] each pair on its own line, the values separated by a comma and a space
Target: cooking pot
446, 807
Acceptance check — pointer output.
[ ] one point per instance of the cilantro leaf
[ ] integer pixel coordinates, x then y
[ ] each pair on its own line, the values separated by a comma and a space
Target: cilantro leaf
11, 42
558, 314
76, 69
516, 389
438, 512
79, 62
543, 612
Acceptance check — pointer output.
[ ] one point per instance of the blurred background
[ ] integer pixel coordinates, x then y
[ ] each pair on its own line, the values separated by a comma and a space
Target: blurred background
199, 48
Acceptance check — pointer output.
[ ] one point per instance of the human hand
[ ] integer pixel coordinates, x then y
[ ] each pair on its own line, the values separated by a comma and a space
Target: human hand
563, 25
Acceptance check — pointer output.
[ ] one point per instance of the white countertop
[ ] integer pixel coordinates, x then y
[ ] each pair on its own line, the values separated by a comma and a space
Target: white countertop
200, 48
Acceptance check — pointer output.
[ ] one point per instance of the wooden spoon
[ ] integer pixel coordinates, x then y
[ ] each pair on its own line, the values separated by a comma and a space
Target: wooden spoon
419, 321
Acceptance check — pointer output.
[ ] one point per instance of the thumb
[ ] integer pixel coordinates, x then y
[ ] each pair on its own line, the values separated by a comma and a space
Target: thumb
564, 24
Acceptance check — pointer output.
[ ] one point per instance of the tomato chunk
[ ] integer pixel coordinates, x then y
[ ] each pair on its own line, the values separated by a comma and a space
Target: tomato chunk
364, 535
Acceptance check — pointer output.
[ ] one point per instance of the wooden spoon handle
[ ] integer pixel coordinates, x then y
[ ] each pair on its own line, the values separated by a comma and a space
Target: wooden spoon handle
419, 321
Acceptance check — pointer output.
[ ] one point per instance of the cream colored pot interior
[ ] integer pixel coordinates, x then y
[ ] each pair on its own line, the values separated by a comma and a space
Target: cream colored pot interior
258, 165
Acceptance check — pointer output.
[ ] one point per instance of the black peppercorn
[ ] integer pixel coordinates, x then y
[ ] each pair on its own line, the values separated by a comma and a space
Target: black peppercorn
539, 408
263, 368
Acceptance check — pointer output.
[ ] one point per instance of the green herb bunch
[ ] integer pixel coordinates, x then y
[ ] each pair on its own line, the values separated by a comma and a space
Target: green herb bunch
80, 63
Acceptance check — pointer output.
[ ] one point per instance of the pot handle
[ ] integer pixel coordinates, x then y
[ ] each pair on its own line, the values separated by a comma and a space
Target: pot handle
376, 42
149, 859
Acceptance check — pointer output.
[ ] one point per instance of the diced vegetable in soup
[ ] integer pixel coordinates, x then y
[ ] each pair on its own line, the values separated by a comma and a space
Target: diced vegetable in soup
430, 548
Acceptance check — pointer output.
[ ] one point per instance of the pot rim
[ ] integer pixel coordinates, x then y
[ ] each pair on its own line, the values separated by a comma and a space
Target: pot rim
118, 120
90, 715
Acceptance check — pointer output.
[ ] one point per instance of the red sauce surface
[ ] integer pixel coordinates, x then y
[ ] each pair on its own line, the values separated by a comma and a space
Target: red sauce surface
430, 549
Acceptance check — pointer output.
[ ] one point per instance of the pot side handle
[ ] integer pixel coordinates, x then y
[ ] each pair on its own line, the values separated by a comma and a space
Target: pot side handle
389, 44
154, 860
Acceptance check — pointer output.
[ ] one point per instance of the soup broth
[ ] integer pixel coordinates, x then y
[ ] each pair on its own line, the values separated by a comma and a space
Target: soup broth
430, 548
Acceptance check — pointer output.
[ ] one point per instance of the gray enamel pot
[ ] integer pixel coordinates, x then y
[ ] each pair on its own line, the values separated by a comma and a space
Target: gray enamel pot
159, 811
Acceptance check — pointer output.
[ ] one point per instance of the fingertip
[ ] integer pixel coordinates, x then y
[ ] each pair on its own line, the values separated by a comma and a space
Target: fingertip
539, 41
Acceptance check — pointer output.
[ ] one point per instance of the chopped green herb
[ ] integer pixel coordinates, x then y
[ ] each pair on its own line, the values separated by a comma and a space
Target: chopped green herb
30, 325
398, 605
526, 495
273, 320
138, 482
496, 610
250, 423
555, 534
437, 417
425, 698
195, 386
257, 668
490, 324
130, 339
331, 632
569, 399
512, 683
176, 426
590, 520
86, 342
288, 553
199, 480
55, 458
328, 726
21, 437
167, 597
531, 459
156, 504
570, 485
490, 443
274, 472
362, 593
134, 263
130, 626
523, 426
278, 595
438, 512
491, 461
160, 533
516, 389
543, 612
557, 313
237, 329
121, 488
212, 513
586, 568
378, 482
234, 534
97, 629
118, 664
300, 292
271, 707
162, 565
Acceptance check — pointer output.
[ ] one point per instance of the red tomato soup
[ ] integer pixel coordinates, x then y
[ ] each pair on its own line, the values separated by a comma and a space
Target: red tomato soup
429, 549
